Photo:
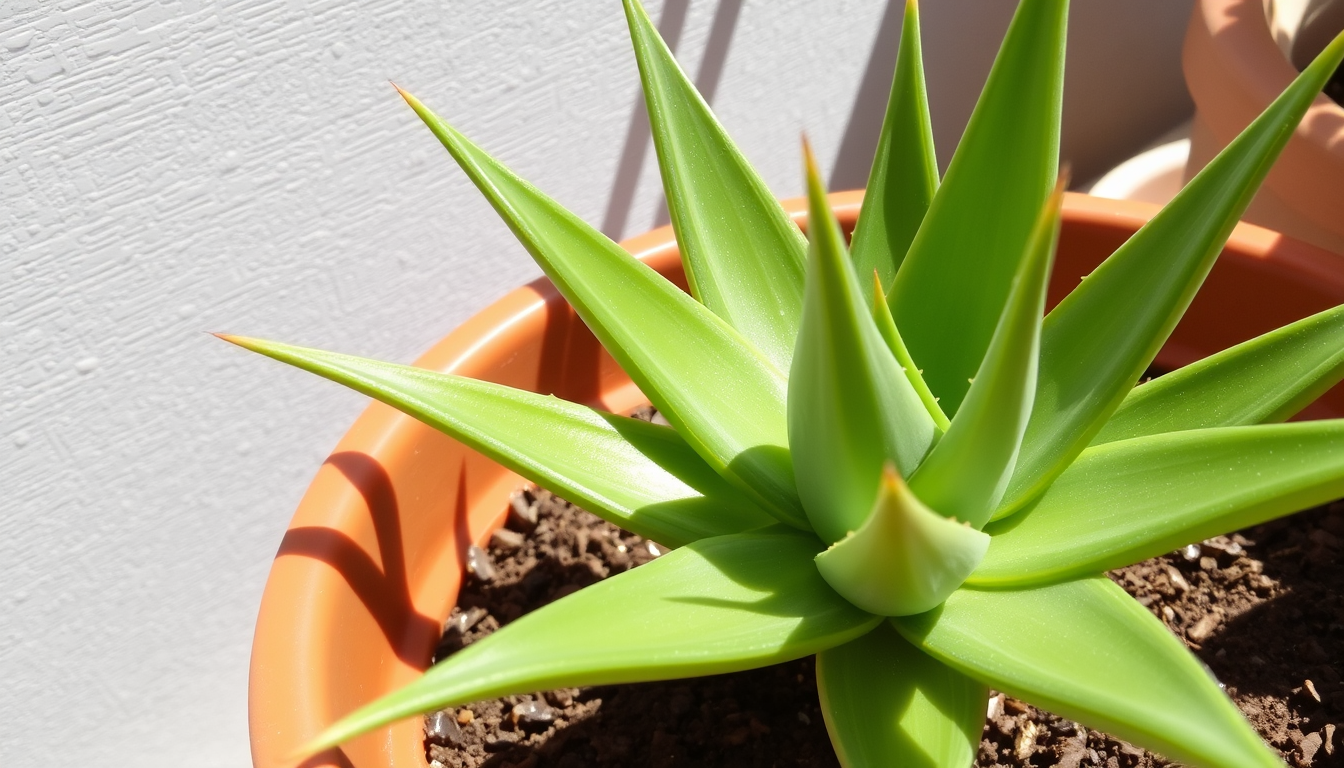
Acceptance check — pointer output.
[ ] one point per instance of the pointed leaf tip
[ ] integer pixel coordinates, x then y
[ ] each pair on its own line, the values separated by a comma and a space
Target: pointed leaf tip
967, 472
904, 174
955, 279
1096, 343
850, 408
743, 255
240, 341
906, 558
816, 188
716, 388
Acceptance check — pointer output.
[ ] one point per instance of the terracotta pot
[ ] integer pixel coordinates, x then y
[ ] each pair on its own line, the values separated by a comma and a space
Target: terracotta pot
1234, 69
371, 563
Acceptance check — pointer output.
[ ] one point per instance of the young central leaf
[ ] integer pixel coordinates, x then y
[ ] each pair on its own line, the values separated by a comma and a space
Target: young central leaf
953, 283
966, 474
906, 559
905, 170
851, 409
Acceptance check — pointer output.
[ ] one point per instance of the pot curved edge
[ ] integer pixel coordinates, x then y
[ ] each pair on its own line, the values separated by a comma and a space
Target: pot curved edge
1234, 69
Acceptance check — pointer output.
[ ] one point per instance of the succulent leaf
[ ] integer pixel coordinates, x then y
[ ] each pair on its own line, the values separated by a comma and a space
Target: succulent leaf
718, 605
640, 476
1097, 342
722, 396
966, 473
887, 703
1087, 651
743, 256
851, 409
906, 558
1126, 501
952, 285
904, 175
886, 325
1267, 379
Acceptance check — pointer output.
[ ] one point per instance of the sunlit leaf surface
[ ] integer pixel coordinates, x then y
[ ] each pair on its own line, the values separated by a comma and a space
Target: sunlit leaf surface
1126, 501
905, 170
743, 256
954, 281
1087, 651
967, 472
713, 386
851, 408
887, 703
639, 476
1267, 379
719, 605
1097, 342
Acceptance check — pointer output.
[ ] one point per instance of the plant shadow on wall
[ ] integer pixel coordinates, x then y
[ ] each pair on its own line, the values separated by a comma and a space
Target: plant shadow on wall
838, 479
862, 127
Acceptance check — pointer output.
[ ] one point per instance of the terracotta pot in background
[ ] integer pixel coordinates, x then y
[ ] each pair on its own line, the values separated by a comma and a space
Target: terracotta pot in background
372, 560
1234, 69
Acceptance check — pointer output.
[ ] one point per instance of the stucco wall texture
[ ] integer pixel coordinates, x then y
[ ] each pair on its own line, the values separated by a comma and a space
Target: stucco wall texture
179, 166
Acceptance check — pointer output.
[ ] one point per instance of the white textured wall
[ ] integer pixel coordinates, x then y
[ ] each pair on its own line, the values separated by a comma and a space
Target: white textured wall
177, 166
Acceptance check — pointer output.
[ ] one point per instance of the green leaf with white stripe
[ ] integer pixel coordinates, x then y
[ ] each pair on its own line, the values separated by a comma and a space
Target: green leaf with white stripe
743, 256
640, 476
887, 703
718, 605
721, 394
1087, 651
1130, 500
1267, 379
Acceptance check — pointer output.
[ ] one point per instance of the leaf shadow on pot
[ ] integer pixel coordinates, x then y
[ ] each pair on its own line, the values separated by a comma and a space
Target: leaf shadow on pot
331, 758
384, 591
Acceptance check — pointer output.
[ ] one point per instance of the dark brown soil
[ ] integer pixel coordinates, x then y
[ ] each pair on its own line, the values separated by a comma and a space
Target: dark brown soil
1263, 608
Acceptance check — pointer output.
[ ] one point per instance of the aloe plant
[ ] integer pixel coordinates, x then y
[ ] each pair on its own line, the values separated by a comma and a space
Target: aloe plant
886, 455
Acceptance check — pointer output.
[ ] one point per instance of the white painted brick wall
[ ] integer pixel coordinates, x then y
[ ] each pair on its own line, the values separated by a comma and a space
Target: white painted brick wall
178, 166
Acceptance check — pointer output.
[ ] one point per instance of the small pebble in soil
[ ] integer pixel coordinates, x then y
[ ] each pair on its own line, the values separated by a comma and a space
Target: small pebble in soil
461, 621
522, 511
480, 564
532, 714
442, 728
506, 540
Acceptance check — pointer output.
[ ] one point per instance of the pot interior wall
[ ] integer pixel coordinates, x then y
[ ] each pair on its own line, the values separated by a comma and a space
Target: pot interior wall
371, 563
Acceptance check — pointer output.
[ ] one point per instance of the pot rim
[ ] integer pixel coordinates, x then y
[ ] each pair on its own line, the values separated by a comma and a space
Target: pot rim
336, 548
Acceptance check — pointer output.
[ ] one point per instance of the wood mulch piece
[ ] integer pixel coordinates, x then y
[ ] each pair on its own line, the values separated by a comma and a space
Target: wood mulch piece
1264, 609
